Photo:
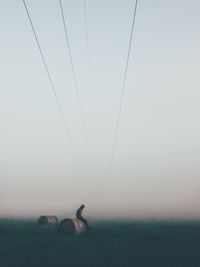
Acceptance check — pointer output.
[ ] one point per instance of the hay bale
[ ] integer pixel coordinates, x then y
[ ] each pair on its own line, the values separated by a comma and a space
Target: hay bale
71, 227
44, 220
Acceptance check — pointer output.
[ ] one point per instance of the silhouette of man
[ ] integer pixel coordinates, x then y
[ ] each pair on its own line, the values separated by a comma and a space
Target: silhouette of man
79, 216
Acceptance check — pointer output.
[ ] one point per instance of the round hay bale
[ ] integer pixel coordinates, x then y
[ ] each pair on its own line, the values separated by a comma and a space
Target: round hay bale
43, 220
71, 227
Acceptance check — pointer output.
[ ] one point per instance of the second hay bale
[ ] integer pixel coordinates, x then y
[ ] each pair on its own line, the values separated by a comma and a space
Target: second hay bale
45, 220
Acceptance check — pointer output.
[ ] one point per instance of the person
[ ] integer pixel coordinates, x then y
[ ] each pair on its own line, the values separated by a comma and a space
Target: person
80, 217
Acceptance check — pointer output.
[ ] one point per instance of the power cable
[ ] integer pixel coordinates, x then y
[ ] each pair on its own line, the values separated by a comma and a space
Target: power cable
87, 45
50, 80
124, 83
74, 77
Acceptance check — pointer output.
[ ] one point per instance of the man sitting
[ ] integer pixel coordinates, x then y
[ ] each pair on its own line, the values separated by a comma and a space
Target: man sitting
79, 216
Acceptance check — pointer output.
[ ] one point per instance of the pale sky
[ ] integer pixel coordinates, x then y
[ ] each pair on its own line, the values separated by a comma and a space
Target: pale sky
156, 170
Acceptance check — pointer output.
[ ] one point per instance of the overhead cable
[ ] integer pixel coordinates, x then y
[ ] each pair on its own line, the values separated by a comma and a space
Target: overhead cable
50, 80
74, 77
123, 85
87, 46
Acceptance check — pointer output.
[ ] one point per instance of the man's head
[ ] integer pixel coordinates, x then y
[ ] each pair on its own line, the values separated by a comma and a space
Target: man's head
82, 206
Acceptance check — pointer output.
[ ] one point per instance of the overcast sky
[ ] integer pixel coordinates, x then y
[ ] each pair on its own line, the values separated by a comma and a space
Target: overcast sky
156, 168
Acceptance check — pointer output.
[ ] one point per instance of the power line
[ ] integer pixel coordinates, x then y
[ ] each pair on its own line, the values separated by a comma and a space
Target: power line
74, 77
50, 80
124, 83
88, 60
87, 46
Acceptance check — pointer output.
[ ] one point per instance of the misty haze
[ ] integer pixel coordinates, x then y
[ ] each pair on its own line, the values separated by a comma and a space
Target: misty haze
155, 168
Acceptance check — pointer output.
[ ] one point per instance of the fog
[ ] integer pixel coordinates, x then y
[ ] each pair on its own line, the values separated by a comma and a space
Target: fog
155, 172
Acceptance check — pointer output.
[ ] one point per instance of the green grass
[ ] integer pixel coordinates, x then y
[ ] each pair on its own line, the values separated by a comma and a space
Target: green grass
112, 243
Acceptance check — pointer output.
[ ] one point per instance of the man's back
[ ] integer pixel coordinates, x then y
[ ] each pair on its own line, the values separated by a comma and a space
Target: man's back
78, 213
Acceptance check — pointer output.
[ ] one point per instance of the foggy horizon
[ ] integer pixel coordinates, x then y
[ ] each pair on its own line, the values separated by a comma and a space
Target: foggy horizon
155, 171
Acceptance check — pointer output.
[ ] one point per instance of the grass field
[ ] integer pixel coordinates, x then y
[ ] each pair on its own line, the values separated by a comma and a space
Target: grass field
112, 243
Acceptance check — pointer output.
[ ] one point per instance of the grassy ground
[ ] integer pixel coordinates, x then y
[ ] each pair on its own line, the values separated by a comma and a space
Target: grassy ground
112, 244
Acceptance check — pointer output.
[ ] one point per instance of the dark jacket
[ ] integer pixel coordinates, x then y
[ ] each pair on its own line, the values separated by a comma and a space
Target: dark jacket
79, 214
